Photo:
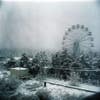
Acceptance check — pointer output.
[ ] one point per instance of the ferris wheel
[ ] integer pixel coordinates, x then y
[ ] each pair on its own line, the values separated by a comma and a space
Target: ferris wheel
78, 39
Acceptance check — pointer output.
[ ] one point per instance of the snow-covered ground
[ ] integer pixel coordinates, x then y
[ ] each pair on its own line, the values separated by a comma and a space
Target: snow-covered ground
30, 87
27, 88
59, 90
4, 74
82, 86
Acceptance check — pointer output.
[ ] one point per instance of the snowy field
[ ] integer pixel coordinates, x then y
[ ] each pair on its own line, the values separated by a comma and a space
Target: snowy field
82, 86
27, 88
30, 87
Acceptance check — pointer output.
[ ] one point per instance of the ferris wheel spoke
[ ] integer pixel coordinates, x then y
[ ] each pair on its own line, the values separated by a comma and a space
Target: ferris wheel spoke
70, 45
83, 37
84, 43
69, 38
86, 46
85, 40
89, 34
67, 43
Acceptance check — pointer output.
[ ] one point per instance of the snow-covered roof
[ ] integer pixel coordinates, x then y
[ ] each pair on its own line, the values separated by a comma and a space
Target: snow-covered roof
19, 68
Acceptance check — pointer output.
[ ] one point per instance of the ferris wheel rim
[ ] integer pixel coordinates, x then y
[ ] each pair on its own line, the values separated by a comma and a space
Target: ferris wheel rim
87, 36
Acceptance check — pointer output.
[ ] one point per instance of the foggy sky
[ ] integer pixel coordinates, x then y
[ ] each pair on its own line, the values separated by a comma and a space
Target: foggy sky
42, 25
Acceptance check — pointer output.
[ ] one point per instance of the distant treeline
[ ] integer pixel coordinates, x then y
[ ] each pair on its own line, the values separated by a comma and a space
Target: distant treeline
15, 52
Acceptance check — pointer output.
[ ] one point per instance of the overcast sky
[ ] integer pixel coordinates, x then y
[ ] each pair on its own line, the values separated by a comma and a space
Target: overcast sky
42, 24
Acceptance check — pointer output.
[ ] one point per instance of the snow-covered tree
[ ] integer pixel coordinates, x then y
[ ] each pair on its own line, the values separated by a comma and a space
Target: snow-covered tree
41, 59
8, 88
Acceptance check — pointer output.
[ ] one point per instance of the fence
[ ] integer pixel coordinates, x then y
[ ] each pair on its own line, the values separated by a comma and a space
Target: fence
71, 87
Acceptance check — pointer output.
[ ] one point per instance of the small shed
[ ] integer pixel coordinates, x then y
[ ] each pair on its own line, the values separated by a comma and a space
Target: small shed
20, 72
